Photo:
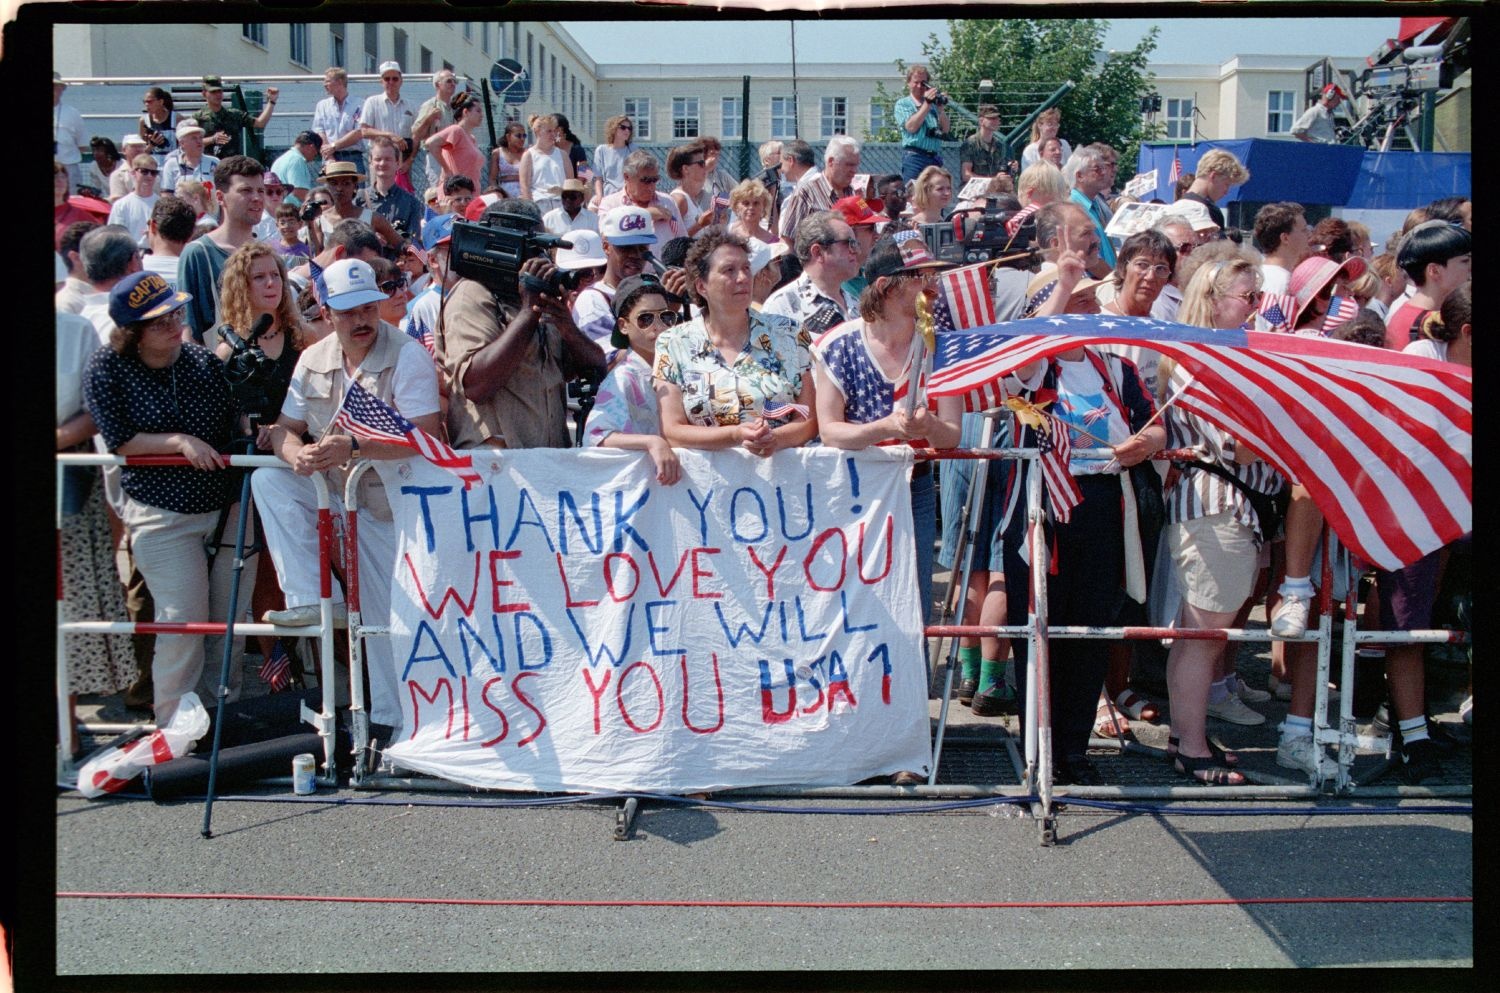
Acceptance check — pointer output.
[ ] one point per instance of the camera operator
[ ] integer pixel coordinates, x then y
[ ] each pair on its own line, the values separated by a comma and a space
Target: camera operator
506, 363
261, 335
923, 114
151, 393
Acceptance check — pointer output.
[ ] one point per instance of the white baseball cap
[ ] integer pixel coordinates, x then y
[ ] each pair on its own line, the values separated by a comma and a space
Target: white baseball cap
628, 225
351, 283
391, 66
587, 251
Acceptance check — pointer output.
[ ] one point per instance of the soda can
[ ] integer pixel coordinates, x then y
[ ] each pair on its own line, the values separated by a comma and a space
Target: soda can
304, 771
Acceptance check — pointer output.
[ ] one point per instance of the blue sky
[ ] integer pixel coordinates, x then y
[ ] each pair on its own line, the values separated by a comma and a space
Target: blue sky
1202, 39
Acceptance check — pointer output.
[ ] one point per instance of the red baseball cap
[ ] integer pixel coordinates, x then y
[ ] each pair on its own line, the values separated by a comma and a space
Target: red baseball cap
858, 210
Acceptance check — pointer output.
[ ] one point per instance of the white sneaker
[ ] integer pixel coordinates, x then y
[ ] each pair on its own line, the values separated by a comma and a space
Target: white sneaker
306, 616
1299, 753
1233, 710
1289, 619
1249, 694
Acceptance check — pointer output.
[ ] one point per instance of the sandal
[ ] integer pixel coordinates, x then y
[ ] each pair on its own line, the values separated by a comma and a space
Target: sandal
1108, 723
1207, 770
1224, 758
1136, 707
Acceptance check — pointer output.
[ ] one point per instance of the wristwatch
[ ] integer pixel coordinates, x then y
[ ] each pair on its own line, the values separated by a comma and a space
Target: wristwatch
353, 448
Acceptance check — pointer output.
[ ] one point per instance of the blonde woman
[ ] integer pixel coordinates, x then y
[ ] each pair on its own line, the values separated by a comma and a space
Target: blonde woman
750, 201
1043, 128
255, 286
932, 191
544, 166
1041, 183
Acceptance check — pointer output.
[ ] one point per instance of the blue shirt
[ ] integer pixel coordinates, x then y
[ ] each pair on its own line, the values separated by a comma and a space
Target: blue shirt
926, 137
295, 171
1106, 249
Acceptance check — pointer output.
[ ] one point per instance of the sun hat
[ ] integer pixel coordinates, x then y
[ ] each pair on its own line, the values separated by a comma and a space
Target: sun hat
587, 251
1044, 284
143, 296
906, 252
1315, 273
340, 170
569, 185
632, 286
628, 225
1194, 213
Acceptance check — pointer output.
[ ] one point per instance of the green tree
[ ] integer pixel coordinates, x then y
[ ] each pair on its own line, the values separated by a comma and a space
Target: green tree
1027, 60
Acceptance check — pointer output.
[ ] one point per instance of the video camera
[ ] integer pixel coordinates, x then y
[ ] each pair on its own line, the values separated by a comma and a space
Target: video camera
972, 236
493, 251
249, 370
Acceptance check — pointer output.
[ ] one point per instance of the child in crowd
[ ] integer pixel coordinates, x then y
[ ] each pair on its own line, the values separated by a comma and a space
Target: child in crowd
289, 244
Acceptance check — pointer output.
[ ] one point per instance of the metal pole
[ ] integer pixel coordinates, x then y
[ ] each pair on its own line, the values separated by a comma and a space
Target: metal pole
1025, 126
747, 161
1039, 700
228, 659
796, 104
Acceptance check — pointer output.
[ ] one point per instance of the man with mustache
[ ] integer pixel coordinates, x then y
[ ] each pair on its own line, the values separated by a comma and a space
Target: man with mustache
398, 371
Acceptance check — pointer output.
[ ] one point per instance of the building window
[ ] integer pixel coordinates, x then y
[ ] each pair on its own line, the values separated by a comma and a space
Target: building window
1281, 111
484, 37
424, 54
1179, 119
880, 116
299, 44
593, 126
731, 109
638, 109
372, 46
399, 49
531, 60
834, 116
254, 33
336, 53
468, 30
448, 65
783, 117
684, 117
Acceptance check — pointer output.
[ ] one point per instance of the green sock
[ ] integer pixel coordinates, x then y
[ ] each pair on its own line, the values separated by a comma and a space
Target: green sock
991, 676
969, 658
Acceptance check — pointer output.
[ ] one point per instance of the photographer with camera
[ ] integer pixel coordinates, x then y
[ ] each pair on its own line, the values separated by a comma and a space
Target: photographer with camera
505, 339
923, 115
261, 335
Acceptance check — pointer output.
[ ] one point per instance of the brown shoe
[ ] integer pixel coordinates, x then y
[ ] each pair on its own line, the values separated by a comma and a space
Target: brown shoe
140, 695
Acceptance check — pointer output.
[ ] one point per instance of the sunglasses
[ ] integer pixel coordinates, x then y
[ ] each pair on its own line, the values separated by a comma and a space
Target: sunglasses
392, 285
1251, 297
695, 162
648, 179
148, 172
646, 318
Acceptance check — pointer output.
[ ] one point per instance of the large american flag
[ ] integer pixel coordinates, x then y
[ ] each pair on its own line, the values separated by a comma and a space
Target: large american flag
1382, 441
364, 415
964, 299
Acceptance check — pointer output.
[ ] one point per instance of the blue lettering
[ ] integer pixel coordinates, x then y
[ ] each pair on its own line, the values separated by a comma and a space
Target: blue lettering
566, 503
532, 521
425, 632
802, 623
470, 519
744, 631
616, 656
622, 519
844, 620
422, 493
781, 513
541, 628
653, 628
702, 514
467, 634
734, 516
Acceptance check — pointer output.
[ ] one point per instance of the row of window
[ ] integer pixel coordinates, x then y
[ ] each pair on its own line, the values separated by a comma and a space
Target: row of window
687, 119
1281, 114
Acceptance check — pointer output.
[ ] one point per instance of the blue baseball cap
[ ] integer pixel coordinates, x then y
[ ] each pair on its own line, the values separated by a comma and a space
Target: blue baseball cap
438, 231
143, 296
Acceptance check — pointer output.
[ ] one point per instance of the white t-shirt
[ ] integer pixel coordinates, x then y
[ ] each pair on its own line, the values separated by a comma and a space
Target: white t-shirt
414, 388
1273, 278
76, 342
593, 313
69, 132
133, 212
1428, 349
559, 223
164, 266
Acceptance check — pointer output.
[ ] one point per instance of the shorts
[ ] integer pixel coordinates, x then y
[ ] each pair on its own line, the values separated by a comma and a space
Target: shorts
1216, 560
1408, 595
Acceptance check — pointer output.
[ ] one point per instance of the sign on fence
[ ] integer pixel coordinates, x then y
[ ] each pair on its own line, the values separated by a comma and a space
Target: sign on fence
571, 624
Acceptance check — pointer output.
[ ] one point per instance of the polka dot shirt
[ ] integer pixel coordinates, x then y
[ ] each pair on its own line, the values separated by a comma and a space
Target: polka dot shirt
127, 398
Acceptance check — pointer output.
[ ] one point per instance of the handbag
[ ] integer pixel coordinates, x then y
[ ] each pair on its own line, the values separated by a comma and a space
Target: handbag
1270, 509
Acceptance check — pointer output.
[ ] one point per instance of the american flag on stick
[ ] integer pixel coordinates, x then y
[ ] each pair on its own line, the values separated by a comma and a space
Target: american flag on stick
1340, 309
364, 415
1382, 441
964, 299
1013, 225
276, 671
417, 328
1278, 311
1176, 173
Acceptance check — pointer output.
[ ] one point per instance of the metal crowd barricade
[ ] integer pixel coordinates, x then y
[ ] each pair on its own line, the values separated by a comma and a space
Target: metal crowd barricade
324, 721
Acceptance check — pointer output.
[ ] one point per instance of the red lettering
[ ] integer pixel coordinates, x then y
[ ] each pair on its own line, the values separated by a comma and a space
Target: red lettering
443, 686
703, 574
595, 692
812, 553
890, 527
568, 593
813, 709
840, 689
768, 572
609, 576
651, 561
484, 697
467, 608
496, 582
885, 689
718, 689
515, 687
661, 704
463, 698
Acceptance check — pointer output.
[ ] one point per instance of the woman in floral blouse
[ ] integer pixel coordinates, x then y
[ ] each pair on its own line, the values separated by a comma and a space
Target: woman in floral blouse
732, 377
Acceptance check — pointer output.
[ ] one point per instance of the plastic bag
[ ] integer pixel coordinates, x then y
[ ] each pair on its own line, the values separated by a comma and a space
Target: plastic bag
113, 770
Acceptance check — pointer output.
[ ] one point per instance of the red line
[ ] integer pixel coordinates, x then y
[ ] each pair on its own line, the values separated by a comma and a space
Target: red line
791, 904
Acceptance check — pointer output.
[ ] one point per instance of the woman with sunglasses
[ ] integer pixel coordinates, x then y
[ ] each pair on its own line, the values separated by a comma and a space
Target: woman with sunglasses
625, 414
688, 165
505, 159
1215, 540
880, 347
718, 375
150, 393
394, 284
609, 158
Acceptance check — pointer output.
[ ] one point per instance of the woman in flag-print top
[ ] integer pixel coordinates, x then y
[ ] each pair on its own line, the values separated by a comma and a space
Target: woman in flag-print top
863, 371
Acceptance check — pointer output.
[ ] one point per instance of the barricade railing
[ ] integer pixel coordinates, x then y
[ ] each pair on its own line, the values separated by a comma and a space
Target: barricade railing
1033, 763
324, 721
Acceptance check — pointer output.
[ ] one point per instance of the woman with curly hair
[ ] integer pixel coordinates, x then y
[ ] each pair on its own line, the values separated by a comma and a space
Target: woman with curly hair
255, 285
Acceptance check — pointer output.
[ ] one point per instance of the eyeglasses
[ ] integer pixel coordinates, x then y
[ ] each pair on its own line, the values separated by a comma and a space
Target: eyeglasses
695, 162
171, 321
626, 127
392, 285
648, 179
646, 318
1141, 268
1251, 297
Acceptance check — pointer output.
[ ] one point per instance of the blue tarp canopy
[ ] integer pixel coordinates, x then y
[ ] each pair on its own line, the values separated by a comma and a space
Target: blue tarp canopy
1339, 175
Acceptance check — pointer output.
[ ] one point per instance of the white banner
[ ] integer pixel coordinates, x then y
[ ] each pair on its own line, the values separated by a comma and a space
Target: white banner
573, 625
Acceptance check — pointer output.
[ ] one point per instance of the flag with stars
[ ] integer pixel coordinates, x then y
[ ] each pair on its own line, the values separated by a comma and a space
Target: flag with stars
965, 294
1053, 452
1340, 309
320, 288
365, 415
1176, 173
417, 328
1383, 441
276, 671
1278, 309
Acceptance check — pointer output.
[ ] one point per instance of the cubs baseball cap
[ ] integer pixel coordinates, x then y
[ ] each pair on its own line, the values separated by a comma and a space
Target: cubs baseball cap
351, 283
628, 226
143, 296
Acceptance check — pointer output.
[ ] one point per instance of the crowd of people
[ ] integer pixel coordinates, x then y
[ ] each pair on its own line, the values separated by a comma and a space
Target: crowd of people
761, 313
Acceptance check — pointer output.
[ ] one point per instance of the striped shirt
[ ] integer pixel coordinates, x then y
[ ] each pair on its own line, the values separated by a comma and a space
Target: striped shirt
1196, 493
808, 198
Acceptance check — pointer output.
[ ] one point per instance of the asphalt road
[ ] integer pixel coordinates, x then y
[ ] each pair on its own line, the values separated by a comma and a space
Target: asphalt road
400, 873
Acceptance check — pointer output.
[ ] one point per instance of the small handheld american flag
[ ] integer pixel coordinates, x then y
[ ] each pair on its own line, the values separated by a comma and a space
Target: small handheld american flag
1013, 225
1054, 449
1340, 309
1278, 310
364, 415
276, 671
776, 411
417, 328
1176, 172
